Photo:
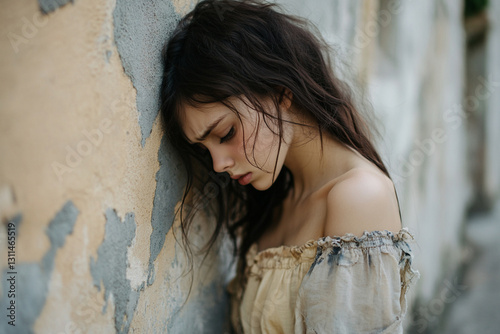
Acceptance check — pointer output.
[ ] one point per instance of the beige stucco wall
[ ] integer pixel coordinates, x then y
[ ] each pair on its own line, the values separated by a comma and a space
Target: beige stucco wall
90, 187
70, 132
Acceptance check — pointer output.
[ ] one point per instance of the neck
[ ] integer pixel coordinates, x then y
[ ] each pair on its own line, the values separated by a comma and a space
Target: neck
311, 166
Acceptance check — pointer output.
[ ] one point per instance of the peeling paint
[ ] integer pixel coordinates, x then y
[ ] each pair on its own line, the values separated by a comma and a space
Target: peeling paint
169, 179
141, 28
111, 268
48, 6
32, 279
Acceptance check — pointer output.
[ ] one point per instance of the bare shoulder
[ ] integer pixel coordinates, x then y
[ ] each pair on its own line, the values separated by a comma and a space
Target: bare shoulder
362, 200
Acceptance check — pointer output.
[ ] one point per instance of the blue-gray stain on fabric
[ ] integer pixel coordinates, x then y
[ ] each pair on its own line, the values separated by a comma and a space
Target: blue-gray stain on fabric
111, 268
48, 6
169, 180
206, 314
141, 28
333, 258
317, 260
32, 279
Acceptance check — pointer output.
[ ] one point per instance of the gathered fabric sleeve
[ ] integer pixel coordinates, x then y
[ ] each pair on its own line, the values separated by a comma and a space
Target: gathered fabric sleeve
357, 285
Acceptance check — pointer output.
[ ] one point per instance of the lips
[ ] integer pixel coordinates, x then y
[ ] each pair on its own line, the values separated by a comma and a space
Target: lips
245, 179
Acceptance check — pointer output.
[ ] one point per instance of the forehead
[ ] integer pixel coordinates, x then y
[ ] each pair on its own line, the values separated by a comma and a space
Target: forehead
195, 119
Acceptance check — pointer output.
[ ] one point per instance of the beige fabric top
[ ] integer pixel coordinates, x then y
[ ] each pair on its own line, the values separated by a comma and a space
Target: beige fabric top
344, 284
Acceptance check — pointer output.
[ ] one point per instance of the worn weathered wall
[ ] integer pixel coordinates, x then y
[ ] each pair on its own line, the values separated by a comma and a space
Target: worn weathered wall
86, 180
88, 186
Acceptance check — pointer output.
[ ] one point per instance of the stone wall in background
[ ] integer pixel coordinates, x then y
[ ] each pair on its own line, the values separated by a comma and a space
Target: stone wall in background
89, 186
435, 94
492, 113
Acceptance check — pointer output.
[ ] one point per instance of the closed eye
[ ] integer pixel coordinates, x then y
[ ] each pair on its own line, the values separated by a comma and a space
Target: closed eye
228, 136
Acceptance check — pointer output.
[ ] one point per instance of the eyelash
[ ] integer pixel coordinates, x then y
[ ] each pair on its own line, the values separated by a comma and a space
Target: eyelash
227, 137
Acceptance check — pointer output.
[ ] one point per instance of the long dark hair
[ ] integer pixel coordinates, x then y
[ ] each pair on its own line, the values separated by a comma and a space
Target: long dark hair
229, 48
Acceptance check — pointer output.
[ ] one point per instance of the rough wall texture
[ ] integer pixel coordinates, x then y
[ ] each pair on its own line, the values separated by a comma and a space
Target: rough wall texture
33, 278
111, 269
140, 30
89, 186
47, 6
86, 180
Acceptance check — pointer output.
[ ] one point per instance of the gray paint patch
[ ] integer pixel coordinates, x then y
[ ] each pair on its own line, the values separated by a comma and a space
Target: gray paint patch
169, 179
142, 27
111, 268
48, 6
206, 314
32, 279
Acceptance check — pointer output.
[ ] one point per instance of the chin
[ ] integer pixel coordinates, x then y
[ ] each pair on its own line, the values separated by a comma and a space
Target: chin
259, 188
262, 185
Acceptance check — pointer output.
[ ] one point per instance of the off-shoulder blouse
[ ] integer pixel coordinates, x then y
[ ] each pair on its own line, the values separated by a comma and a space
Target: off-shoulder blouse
344, 284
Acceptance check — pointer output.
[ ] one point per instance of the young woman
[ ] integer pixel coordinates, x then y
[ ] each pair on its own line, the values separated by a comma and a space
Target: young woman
276, 151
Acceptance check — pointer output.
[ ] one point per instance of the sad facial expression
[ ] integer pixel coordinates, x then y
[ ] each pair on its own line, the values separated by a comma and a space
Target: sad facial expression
246, 149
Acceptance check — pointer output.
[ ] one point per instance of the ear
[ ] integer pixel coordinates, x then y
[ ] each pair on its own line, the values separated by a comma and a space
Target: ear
286, 97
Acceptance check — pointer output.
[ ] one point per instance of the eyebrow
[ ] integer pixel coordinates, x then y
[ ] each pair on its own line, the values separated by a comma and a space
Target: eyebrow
210, 128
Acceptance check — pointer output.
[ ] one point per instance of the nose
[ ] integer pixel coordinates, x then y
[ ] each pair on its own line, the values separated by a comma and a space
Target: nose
221, 161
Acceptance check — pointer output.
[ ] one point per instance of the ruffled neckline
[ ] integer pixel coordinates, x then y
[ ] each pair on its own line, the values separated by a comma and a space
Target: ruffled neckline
296, 251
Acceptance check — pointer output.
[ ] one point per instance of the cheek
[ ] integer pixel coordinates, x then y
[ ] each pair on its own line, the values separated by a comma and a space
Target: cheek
258, 144
266, 141
245, 140
239, 145
263, 137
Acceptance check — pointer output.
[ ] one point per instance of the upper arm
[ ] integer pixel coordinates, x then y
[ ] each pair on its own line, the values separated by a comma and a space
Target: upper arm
363, 201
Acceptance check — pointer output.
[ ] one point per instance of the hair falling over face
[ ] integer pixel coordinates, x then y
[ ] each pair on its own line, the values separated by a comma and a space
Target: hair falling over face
230, 52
